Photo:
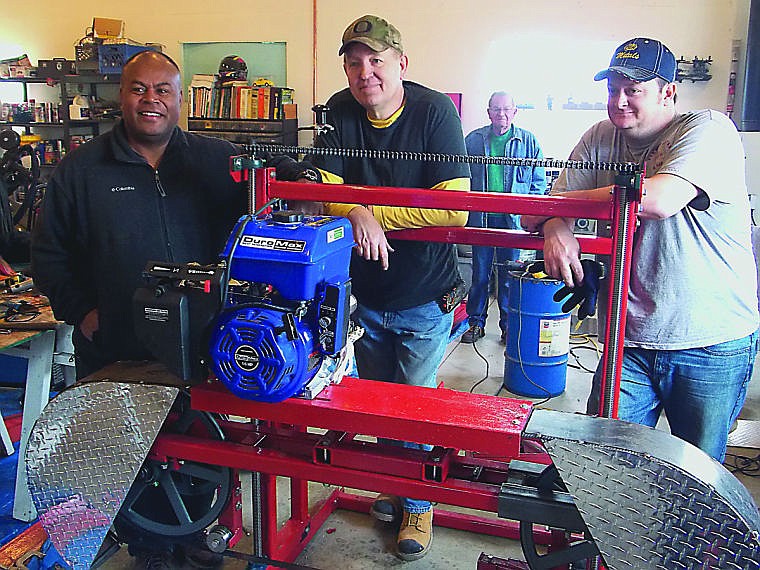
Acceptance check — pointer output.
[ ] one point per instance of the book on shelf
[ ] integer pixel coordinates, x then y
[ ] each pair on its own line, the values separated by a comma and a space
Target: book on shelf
200, 94
275, 104
264, 97
203, 80
279, 96
253, 104
212, 99
244, 99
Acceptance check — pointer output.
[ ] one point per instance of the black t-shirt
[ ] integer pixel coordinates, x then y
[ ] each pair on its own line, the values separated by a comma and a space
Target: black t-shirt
419, 272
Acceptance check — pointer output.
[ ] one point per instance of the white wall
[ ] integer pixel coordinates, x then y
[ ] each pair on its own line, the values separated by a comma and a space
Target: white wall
452, 46
450, 43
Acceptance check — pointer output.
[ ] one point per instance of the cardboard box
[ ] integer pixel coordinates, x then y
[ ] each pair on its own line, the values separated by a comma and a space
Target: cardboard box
15, 71
107, 28
289, 111
16, 67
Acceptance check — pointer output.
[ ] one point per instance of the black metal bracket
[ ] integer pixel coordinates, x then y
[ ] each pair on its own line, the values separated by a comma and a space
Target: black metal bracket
694, 70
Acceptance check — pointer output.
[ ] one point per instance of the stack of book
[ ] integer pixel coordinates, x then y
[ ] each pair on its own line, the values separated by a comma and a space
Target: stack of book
199, 95
209, 98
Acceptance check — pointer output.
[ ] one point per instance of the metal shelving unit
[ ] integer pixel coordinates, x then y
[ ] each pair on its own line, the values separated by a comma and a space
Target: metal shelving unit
66, 94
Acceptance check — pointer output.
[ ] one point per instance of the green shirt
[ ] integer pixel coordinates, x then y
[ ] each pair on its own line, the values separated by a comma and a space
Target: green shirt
495, 175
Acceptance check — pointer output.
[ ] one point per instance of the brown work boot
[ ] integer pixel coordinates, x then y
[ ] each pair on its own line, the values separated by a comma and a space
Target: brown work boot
415, 535
387, 508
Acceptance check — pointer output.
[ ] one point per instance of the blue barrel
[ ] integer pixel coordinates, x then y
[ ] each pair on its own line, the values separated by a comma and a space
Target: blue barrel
538, 338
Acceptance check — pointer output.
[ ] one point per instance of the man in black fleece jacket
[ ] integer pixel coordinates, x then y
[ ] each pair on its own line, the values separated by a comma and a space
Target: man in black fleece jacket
144, 191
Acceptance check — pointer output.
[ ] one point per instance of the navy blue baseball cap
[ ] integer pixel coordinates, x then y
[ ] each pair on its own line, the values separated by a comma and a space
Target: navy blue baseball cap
641, 59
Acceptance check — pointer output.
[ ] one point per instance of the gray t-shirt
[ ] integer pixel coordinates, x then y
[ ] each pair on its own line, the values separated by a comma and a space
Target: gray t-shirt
693, 279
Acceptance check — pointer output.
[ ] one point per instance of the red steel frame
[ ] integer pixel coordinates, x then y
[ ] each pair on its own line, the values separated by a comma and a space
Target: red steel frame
620, 210
487, 428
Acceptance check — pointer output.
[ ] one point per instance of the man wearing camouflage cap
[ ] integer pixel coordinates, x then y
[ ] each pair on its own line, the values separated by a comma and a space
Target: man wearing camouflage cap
400, 285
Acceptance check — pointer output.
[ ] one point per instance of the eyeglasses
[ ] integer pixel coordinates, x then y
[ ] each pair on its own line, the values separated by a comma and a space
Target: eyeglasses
501, 109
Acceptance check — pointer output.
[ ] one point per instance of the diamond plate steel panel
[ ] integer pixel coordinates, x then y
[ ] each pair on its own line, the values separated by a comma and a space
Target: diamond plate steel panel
746, 434
84, 453
650, 505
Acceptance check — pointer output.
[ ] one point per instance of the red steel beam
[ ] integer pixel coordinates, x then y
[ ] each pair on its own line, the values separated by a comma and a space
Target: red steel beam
442, 199
473, 495
481, 423
267, 187
459, 521
495, 238
296, 533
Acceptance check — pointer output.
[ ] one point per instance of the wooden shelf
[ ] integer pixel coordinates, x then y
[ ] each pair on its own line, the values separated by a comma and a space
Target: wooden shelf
74, 79
247, 130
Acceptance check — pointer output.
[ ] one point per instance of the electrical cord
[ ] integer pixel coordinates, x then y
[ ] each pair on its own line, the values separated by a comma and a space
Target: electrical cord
582, 346
19, 312
578, 365
743, 465
495, 264
484, 359
480, 355
578, 342
586, 338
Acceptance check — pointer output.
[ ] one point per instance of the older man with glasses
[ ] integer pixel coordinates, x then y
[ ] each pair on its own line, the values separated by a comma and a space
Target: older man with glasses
500, 138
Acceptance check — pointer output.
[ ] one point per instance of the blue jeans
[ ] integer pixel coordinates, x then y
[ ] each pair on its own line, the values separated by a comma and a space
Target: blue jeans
404, 347
701, 390
477, 300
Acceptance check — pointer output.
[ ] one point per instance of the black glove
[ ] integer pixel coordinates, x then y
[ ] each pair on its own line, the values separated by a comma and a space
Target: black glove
290, 170
584, 295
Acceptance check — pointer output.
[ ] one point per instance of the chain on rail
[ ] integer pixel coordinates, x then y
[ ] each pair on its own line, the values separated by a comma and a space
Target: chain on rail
620, 167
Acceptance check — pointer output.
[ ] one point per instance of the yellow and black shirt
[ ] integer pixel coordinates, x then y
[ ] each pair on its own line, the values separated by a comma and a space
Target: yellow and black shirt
419, 272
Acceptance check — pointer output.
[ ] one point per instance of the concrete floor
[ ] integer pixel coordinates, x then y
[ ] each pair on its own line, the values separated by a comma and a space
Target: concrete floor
352, 541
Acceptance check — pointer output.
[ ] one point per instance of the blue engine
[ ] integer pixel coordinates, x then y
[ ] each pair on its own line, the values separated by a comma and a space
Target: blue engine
266, 318
287, 303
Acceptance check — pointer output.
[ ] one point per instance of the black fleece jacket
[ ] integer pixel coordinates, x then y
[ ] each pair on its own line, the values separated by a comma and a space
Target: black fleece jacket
107, 212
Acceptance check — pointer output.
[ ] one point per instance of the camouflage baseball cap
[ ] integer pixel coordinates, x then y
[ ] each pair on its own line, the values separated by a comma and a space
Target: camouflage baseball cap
374, 32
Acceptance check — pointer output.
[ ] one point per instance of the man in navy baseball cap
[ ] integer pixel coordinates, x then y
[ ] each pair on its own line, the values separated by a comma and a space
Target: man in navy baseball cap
641, 59
693, 216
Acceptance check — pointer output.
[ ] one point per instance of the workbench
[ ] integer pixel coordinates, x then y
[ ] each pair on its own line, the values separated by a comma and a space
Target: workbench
41, 341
